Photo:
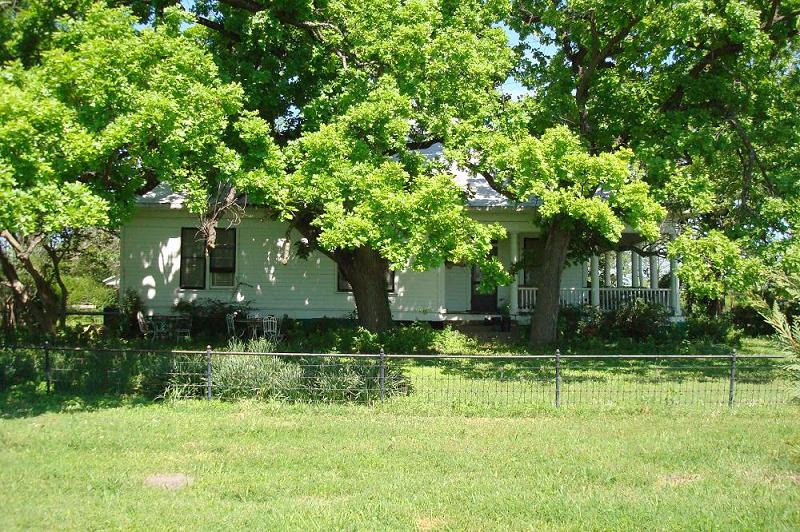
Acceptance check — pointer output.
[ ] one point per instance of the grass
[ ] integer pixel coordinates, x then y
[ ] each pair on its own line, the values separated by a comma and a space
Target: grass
82, 464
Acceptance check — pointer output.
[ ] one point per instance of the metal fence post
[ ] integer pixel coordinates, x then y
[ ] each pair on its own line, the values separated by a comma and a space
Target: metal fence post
732, 378
382, 375
558, 378
47, 374
208, 372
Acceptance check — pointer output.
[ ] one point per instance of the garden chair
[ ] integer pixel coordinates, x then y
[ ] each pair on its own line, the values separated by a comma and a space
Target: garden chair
183, 328
231, 324
144, 327
160, 327
272, 328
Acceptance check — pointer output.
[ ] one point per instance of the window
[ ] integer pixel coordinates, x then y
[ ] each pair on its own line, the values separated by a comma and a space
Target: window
222, 259
532, 253
193, 259
343, 286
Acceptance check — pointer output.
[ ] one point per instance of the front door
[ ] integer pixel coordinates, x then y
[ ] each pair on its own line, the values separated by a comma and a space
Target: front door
480, 301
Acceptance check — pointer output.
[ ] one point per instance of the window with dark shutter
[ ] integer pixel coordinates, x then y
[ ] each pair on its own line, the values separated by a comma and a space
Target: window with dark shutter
343, 286
193, 259
222, 259
533, 251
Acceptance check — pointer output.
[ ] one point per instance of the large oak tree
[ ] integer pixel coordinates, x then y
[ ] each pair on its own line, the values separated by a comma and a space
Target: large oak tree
701, 91
106, 111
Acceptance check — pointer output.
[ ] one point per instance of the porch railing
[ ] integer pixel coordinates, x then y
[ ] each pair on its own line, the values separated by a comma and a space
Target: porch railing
610, 298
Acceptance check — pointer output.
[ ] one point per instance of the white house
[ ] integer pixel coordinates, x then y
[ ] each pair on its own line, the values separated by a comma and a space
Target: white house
163, 262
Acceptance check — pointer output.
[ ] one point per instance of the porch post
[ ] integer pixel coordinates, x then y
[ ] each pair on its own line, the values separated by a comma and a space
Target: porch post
620, 270
595, 267
607, 270
653, 272
514, 296
636, 269
675, 287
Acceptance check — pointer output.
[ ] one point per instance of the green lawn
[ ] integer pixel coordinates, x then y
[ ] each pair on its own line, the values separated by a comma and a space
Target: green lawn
271, 466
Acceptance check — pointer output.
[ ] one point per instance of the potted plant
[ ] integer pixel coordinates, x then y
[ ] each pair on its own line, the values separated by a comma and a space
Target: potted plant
505, 317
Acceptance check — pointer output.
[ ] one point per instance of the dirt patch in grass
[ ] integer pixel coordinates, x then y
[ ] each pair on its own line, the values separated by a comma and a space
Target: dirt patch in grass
677, 479
169, 481
430, 523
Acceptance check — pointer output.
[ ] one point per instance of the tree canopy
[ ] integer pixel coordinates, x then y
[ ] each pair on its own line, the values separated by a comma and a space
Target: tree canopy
704, 94
363, 88
108, 111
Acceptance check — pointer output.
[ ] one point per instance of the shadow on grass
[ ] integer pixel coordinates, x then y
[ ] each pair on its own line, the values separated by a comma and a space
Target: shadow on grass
755, 371
27, 400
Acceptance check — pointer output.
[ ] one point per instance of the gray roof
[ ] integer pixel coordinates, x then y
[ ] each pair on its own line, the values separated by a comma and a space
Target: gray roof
479, 194
162, 194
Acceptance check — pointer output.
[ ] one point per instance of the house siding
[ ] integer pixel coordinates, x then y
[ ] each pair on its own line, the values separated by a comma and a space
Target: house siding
300, 288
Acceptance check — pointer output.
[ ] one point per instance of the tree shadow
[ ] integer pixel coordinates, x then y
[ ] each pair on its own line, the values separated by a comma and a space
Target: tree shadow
752, 371
27, 400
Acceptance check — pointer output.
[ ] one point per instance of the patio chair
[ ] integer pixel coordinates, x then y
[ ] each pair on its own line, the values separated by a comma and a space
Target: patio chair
231, 324
183, 328
144, 327
160, 327
272, 328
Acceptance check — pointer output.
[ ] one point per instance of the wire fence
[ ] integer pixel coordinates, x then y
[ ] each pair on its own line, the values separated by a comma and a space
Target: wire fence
495, 381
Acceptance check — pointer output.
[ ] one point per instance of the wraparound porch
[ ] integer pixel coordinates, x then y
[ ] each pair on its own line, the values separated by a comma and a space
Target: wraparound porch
604, 299
624, 276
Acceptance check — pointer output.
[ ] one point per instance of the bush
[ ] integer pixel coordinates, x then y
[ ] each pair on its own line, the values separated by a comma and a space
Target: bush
17, 366
750, 321
639, 320
131, 305
285, 378
635, 319
208, 315
262, 377
715, 329
88, 291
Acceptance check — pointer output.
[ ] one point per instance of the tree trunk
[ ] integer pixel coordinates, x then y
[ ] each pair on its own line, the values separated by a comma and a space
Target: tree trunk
55, 259
41, 321
544, 324
46, 296
366, 272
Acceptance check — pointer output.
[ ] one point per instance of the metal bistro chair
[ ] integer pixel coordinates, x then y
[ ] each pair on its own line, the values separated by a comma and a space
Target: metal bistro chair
183, 328
160, 327
144, 327
231, 324
272, 328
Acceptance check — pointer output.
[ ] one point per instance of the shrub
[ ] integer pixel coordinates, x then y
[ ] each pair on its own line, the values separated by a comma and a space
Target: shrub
750, 321
17, 366
416, 338
715, 329
284, 378
262, 377
131, 305
636, 319
568, 318
85, 290
593, 323
449, 341
639, 319
208, 315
